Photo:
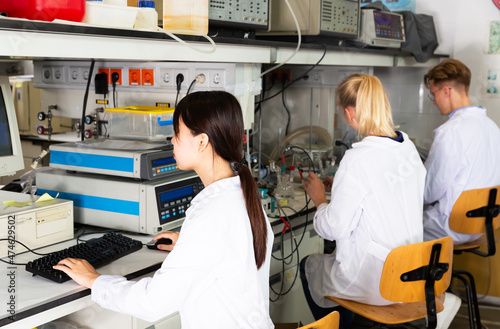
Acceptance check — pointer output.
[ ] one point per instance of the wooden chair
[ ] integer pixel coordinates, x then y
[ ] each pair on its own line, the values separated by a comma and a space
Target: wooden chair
330, 321
475, 212
412, 276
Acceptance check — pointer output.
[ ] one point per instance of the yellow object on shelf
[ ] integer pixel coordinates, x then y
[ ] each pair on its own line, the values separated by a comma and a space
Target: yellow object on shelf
141, 122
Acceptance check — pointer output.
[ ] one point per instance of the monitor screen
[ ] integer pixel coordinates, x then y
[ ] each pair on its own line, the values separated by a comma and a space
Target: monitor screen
11, 155
5, 137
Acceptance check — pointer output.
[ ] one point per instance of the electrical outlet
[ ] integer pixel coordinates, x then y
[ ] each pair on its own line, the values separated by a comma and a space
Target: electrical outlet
167, 78
105, 70
85, 74
47, 74
58, 74
148, 77
206, 74
217, 78
185, 74
279, 76
316, 76
74, 75
120, 75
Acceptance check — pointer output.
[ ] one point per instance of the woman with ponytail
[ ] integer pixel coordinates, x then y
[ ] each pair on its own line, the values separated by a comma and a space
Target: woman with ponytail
376, 202
217, 274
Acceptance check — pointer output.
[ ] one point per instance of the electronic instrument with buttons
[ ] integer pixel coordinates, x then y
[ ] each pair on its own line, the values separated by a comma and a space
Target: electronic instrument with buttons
382, 29
142, 206
330, 18
174, 199
243, 14
133, 159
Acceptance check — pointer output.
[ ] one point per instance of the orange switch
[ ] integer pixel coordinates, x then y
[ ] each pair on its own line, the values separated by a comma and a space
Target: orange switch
148, 77
107, 72
119, 71
134, 77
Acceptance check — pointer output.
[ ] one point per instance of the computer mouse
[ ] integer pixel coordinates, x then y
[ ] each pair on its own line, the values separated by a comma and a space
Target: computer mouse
154, 244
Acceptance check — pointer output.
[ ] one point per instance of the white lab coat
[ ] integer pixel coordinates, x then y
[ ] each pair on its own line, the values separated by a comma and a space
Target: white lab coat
376, 206
210, 277
465, 155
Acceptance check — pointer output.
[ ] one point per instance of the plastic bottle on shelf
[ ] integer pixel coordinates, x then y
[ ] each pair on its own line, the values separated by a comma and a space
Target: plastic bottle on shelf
147, 17
185, 17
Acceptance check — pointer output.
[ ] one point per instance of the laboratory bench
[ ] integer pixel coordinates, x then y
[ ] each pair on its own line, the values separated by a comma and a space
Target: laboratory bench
40, 301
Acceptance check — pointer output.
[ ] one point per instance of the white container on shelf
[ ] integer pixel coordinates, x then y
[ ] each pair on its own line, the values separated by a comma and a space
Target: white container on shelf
122, 3
101, 14
186, 16
147, 17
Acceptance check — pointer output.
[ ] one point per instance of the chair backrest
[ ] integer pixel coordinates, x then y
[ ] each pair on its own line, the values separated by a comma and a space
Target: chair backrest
476, 211
460, 217
415, 259
330, 321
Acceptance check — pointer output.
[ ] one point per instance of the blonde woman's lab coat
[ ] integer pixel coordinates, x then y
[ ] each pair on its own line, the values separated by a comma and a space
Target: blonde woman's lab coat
465, 155
210, 277
376, 205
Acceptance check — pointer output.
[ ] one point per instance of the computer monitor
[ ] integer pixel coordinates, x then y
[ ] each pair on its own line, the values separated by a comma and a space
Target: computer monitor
11, 155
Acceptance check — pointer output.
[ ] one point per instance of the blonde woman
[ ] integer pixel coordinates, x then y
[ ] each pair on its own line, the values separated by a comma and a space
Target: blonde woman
376, 202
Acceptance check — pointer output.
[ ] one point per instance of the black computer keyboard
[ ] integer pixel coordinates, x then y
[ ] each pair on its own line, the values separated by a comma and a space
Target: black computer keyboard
98, 252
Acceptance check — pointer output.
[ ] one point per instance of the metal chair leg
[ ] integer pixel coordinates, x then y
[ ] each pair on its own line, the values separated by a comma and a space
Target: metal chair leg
474, 296
472, 304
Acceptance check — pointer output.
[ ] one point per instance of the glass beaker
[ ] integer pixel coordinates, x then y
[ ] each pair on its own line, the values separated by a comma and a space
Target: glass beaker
284, 193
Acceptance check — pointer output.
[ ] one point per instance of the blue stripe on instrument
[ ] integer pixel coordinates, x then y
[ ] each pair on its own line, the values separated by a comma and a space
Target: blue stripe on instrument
92, 161
97, 203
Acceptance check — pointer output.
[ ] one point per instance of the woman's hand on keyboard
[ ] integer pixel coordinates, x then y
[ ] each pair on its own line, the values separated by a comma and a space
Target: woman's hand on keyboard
168, 235
79, 270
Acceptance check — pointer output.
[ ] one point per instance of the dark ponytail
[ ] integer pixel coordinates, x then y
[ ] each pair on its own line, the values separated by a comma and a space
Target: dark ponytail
218, 114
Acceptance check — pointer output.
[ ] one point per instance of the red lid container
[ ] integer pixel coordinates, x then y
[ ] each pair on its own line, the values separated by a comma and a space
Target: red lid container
45, 10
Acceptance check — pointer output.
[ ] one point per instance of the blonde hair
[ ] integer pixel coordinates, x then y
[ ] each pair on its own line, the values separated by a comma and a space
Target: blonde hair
367, 95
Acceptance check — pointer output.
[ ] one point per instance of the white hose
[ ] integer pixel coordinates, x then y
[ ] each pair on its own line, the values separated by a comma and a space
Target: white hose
296, 49
206, 51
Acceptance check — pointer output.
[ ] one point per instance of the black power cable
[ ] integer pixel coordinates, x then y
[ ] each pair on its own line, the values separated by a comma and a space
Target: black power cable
296, 79
85, 98
178, 82
191, 86
114, 78
284, 104
283, 260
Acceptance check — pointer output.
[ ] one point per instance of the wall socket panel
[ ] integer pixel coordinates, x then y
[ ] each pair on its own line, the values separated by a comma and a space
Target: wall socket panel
136, 76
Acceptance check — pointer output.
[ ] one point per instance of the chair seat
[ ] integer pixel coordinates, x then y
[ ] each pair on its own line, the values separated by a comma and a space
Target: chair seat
474, 244
389, 314
451, 305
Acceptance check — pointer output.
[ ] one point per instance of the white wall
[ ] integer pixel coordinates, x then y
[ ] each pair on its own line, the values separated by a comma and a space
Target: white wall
412, 110
463, 31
